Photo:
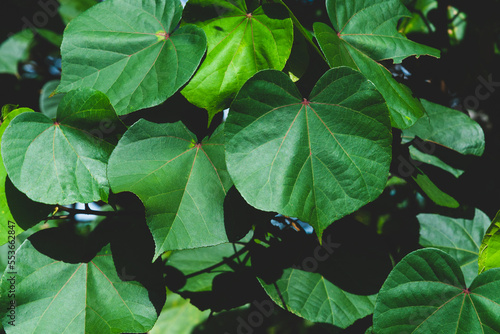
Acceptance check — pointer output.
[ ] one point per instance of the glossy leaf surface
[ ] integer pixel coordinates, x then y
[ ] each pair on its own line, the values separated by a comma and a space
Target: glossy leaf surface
242, 40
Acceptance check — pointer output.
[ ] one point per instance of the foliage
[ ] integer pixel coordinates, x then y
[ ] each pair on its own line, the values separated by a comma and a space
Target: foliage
137, 206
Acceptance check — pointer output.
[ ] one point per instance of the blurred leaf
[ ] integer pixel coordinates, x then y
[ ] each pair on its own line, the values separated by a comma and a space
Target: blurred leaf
489, 253
49, 103
69, 9
458, 237
15, 50
178, 316
51, 36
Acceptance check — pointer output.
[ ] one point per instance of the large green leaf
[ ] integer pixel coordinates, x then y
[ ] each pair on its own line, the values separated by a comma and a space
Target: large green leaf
456, 236
178, 316
14, 50
182, 183
426, 293
56, 297
489, 253
313, 297
318, 159
242, 39
131, 51
63, 161
365, 32
448, 128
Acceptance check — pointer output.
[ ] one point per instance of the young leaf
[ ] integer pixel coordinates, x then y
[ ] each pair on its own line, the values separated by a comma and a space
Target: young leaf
449, 128
63, 161
181, 183
82, 297
432, 191
460, 238
365, 32
489, 252
242, 40
315, 298
426, 293
14, 50
317, 159
130, 51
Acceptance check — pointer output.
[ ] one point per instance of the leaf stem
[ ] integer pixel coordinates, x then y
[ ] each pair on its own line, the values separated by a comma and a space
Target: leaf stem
225, 260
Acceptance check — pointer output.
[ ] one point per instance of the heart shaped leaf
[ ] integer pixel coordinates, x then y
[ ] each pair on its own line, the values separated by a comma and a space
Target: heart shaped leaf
182, 183
317, 159
426, 293
63, 161
82, 297
129, 50
365, 32
458, 237
242, 40
489, 252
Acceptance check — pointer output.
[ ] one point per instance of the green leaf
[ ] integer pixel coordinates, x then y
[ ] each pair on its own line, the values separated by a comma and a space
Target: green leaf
458, 237
63, 161
182, 183
489, 252
433, 192
365, 32
178, 316
418, 155
51, 36
14, 50
14, 205
69, 9
318, 159
49, 103
311, 296
426, 293
130, 51
242, 40
448, 128
81, 298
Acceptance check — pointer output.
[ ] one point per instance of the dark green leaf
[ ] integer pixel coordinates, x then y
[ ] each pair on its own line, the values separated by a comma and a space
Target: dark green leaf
242, 40
460, 238
69, 9
182, 183
130, 51
426, 293
365, 32
312, 159
449, 128
56, 297
63, 161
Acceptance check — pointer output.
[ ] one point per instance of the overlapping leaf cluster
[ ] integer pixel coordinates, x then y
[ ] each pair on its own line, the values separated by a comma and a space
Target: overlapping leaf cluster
319, 158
